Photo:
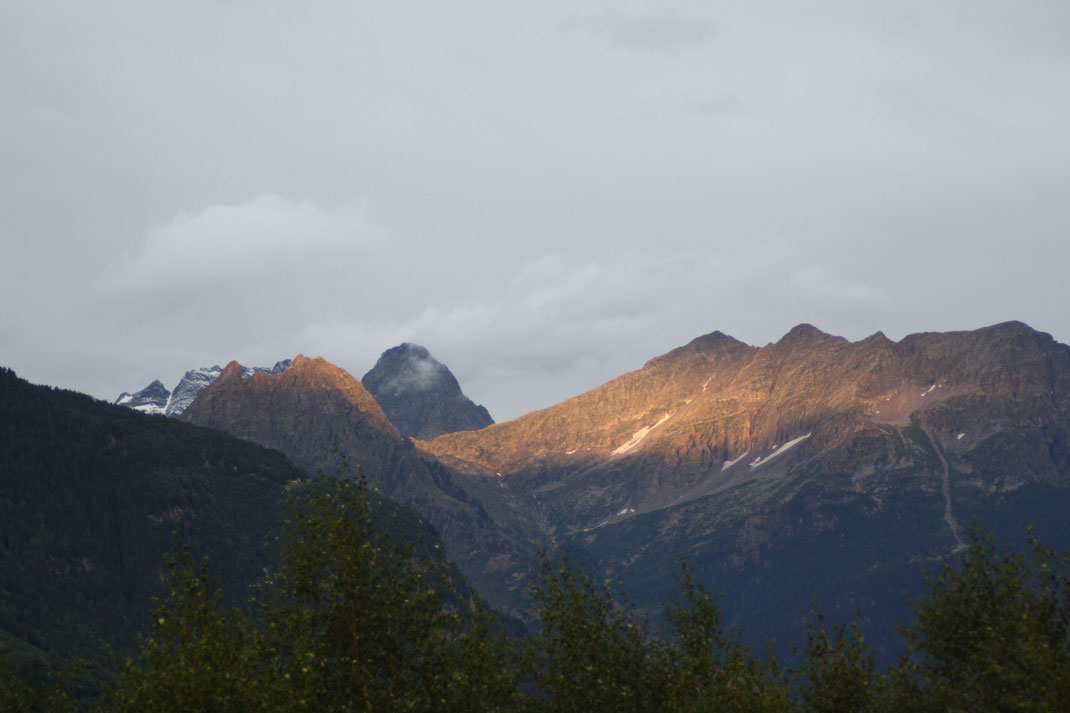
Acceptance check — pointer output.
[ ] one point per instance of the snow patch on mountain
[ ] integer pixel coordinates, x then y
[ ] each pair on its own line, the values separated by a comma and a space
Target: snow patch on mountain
638, 437
729, 463
762, 460
152, 399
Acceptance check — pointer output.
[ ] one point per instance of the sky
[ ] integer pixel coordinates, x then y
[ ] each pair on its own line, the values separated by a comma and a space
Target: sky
544, 194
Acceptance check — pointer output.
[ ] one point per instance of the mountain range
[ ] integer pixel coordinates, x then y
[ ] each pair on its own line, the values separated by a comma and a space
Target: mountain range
418, 393
813, 470
810, 470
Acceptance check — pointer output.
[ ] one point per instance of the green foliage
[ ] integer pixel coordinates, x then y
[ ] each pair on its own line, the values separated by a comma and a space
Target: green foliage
593, 654
90, 495
17, 696
714, 671
199, 656
992, 634
837, 673
353, 619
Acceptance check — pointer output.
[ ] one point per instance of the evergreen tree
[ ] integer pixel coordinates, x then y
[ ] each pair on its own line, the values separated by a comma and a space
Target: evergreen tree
199, 657
993, 634
837, 673
592, 654
713, 672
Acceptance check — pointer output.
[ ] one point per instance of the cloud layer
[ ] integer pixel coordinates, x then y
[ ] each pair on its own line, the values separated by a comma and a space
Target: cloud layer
543, 194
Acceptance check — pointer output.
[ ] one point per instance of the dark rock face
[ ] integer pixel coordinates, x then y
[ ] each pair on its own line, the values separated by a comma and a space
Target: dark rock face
420, 395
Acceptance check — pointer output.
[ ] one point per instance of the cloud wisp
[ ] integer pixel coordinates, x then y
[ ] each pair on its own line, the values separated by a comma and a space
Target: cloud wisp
234, 243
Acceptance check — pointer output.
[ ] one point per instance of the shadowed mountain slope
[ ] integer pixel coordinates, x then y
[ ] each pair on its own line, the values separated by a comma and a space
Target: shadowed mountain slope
323, 418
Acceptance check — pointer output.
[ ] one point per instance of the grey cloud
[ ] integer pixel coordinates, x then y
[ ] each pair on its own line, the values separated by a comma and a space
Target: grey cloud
545, 195
712, 105
661, 30
223, 244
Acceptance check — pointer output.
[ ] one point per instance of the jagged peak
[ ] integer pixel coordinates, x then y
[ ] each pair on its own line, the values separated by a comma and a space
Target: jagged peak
715, 342
409, 368
805, 333
410, 348
231, 371
303, 372
877, 340
420, 395
803, 328
1013, 327
314, 366
1012, 324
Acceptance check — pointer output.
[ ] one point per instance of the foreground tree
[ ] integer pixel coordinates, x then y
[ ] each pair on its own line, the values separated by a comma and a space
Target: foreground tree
993, 634
199, 657
18, 696
356, 618
713, 671
360, 616
592, 654
837, 674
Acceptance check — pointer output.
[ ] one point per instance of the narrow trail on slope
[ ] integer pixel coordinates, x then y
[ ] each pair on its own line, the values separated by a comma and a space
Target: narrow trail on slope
946, 482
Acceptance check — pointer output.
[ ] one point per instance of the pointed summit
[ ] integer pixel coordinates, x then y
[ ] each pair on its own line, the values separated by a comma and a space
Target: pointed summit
420, 396
715, 344
231, 371
316, 397
152, 399
807, 335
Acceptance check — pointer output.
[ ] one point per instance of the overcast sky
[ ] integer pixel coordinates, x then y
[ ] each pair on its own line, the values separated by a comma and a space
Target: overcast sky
545, 194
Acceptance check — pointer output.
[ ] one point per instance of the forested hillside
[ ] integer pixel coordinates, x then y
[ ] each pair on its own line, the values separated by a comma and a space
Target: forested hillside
91, 498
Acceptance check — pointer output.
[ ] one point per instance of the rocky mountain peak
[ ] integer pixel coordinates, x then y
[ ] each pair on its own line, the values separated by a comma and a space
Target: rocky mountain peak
714, 344
311, 392
408, 368
231, 371
420, 395
152, 399
803, 336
